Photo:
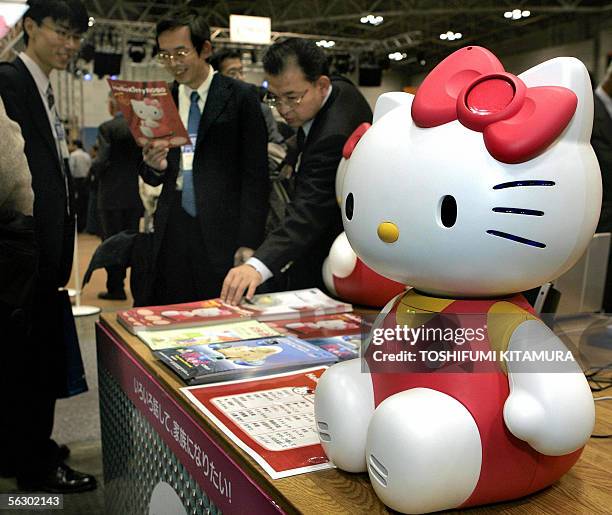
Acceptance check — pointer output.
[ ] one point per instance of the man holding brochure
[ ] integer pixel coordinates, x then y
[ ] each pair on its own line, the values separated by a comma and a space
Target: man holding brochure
214, 199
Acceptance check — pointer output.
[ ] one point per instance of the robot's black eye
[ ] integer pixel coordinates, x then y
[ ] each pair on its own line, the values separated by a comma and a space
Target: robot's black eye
448, 211
349, 206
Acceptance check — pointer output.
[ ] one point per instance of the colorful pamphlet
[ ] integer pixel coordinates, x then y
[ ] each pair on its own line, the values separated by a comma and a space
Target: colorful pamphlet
271, 419
203, 335
201, 364
190, 314
294, 304
343, 347
323, 326
150, 111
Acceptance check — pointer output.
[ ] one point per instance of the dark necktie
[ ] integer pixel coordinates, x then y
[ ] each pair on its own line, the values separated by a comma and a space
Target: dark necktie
301, 139
50, 98
193, 123
60, 137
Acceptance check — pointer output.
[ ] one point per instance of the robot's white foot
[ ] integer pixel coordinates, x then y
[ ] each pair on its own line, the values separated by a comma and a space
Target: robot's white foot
423, 451
344, 404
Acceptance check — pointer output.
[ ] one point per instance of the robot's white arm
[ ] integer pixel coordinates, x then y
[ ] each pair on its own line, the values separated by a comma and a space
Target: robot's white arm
550, 405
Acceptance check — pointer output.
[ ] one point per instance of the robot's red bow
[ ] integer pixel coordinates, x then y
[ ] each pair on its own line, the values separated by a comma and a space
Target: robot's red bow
517, 122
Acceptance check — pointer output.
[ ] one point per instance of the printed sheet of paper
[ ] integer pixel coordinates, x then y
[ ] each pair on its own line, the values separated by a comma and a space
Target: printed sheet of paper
270, 418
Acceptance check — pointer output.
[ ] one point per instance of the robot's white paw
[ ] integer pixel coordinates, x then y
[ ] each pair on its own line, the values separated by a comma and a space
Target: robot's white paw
344, 404
423, 451
552, 424
342, 258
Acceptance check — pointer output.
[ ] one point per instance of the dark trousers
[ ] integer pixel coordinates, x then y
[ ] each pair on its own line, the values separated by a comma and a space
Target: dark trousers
605, 225
114, 221
29, 379
183, 272
93, 218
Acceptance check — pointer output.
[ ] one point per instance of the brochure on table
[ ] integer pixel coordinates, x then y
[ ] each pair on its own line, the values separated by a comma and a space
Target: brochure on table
270, 418
203, 335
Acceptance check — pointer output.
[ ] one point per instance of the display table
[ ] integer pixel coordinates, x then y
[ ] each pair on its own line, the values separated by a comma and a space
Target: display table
151, 433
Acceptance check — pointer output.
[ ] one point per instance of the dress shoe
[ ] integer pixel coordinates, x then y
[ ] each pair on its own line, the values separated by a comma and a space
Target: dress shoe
60, 480
111, 295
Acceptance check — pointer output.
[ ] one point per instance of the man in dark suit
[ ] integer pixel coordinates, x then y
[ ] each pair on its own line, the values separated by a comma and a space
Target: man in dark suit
326, 112
601, 140
119, 203
214, 199
52, 31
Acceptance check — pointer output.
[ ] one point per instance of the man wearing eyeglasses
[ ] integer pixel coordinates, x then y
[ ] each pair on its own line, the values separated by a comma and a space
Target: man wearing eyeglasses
214, 199
325, 111
229, 63
37, 363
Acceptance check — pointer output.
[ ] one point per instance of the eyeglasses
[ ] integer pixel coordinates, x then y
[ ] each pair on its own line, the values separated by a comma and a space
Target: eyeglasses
64, 34
234, 73
179, 55
290, 101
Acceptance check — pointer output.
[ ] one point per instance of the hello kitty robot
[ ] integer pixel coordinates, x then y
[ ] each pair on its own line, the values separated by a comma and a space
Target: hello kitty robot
482, 185
344, 274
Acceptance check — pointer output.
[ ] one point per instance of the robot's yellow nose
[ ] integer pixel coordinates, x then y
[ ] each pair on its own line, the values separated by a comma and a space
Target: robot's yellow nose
388, 232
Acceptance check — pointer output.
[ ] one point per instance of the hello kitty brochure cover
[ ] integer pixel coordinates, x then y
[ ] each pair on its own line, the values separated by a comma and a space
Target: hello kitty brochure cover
150, 111
189, 314
224, 361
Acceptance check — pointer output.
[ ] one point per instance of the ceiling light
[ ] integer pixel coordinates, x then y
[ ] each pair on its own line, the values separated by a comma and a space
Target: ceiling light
516, 14
397, 56
451, 36
91, 21
326, 44
371, 19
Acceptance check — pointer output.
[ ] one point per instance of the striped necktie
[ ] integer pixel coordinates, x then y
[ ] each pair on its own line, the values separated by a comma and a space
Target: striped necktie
60, 137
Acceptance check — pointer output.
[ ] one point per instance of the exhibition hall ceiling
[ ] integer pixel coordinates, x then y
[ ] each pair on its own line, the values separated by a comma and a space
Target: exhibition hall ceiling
421, 31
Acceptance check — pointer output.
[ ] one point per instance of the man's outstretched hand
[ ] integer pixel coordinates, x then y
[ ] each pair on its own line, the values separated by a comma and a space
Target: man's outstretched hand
238, 280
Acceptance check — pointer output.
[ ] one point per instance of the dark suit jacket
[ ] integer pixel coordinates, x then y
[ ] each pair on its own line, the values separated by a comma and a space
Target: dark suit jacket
601, 140
230, 173
117, 165
312, 220
53, 228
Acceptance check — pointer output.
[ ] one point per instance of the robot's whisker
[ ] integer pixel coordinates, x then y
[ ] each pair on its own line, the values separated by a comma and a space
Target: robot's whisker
519, 184
517, 239
518, 211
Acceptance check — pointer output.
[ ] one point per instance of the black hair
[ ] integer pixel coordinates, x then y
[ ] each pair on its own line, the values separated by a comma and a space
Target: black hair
198, 27
71, 11
220, 56
305, 53
78, 143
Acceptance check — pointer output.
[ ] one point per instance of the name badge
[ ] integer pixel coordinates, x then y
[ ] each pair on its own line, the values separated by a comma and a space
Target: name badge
188, 152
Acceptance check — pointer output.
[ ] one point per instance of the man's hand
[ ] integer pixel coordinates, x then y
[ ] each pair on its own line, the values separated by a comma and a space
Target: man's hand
237, 280
154, 154
242, 254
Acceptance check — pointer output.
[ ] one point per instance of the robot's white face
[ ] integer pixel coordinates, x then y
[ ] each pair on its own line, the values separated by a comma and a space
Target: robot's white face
431, 207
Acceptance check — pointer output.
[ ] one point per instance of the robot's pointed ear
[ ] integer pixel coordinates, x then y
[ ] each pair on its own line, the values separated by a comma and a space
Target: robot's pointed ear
569, 73
390, 101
